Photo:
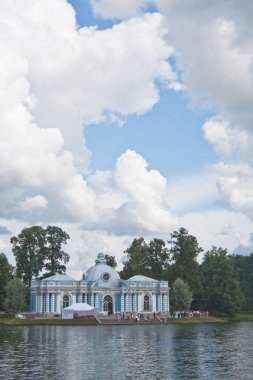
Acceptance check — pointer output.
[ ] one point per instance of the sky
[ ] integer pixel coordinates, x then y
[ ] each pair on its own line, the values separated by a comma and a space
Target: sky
122, 119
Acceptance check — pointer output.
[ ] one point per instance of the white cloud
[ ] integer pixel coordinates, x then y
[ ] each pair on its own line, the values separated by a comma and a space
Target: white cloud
36, 202
221, 228
194, 191
147, 207
118, 9
55, 78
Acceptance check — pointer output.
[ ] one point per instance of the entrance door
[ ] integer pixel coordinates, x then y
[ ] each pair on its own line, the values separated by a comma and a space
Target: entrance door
108, 304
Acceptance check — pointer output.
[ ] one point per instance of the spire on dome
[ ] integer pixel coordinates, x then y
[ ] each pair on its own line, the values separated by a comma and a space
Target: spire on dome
100, 258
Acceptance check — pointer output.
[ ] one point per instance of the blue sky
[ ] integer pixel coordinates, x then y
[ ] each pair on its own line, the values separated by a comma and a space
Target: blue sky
122, 119
169, 136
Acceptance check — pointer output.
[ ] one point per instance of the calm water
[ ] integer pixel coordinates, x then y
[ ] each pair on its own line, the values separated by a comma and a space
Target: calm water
213, 351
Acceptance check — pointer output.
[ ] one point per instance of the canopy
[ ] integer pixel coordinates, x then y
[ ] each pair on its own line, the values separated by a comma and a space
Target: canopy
79, 310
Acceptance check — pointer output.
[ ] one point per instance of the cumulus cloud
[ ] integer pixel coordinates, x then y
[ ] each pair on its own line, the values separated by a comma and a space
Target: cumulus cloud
36, 202
213, 48
118, 9
55, 79
222, 228
146, 208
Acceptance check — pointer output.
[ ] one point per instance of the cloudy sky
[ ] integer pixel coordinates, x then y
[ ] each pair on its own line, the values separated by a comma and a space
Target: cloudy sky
121, 119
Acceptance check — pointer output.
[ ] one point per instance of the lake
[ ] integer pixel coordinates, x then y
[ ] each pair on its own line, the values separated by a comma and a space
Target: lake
202, 351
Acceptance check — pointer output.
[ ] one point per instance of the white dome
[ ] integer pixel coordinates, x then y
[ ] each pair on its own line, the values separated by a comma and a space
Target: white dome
106, 275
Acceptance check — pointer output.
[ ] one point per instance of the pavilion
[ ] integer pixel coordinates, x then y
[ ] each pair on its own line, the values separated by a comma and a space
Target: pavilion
101, 288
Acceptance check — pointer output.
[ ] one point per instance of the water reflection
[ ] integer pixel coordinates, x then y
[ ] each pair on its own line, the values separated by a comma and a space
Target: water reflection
219, 351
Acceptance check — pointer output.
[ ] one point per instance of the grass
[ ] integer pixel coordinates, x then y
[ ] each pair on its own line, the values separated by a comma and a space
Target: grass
191, 320
243, 317
240, 318
91, 322
48, 322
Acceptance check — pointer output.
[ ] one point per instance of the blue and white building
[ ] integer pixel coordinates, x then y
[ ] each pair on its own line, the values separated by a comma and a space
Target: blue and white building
102, 288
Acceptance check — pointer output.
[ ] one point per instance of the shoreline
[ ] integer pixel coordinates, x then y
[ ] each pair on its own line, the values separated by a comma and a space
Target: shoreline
94, 322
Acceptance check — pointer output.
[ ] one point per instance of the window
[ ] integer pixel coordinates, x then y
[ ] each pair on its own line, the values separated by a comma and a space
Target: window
106, 276
65, 301
108, 304
146, 303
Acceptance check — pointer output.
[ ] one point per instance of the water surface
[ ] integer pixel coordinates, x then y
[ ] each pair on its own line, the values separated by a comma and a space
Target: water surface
208, 351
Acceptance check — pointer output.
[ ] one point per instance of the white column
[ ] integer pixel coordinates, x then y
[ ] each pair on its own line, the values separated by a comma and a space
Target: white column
41, 303
134, 302
154, 302
167, 303
140, 306
47, 303
122, 302
52, 303
127, 302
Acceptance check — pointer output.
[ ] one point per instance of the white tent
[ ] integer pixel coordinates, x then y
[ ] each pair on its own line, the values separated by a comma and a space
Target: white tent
79, 310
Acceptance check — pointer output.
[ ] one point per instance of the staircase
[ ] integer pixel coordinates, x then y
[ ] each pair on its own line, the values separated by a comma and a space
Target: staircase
113, 320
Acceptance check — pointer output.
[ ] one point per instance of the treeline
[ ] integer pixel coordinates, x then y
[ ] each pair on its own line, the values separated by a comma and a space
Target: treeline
38, 253
221, 283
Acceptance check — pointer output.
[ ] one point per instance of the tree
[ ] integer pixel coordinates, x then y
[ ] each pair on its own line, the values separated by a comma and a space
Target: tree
6, 273
181, 296
136, 259
54, 256
184, 250
110, 260
156, 258
29, 251
244, 268
220, 283
146, 259
16, 294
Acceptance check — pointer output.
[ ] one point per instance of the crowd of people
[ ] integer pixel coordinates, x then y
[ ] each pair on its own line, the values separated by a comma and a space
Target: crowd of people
187, 313
141, 316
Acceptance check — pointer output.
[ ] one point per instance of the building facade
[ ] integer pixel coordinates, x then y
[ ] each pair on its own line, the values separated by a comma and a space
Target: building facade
102, 288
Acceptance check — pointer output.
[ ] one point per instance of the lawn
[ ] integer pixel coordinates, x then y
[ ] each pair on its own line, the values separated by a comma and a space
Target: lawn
49, 322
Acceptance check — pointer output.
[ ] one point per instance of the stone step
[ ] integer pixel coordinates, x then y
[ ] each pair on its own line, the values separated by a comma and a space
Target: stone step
114, 321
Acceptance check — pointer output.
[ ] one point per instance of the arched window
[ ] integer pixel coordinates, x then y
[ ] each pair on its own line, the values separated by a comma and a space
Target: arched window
108, 305
65, 301
146, 303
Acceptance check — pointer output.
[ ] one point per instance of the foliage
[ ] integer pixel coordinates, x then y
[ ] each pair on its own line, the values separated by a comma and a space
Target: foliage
16, 295
36, 248
181, 296
136, 254
146, 259
184, 251
110, 260
244, 269
157, 258
29, 251
6, 273
55, 237
220, 283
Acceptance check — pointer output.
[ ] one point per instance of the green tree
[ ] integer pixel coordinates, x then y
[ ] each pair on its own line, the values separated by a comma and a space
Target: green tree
181, 296
136, 259
156, 258
16, 295
29, 251
6, 273
244, 268
220, 283
54, 256
110, 260
184, 251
